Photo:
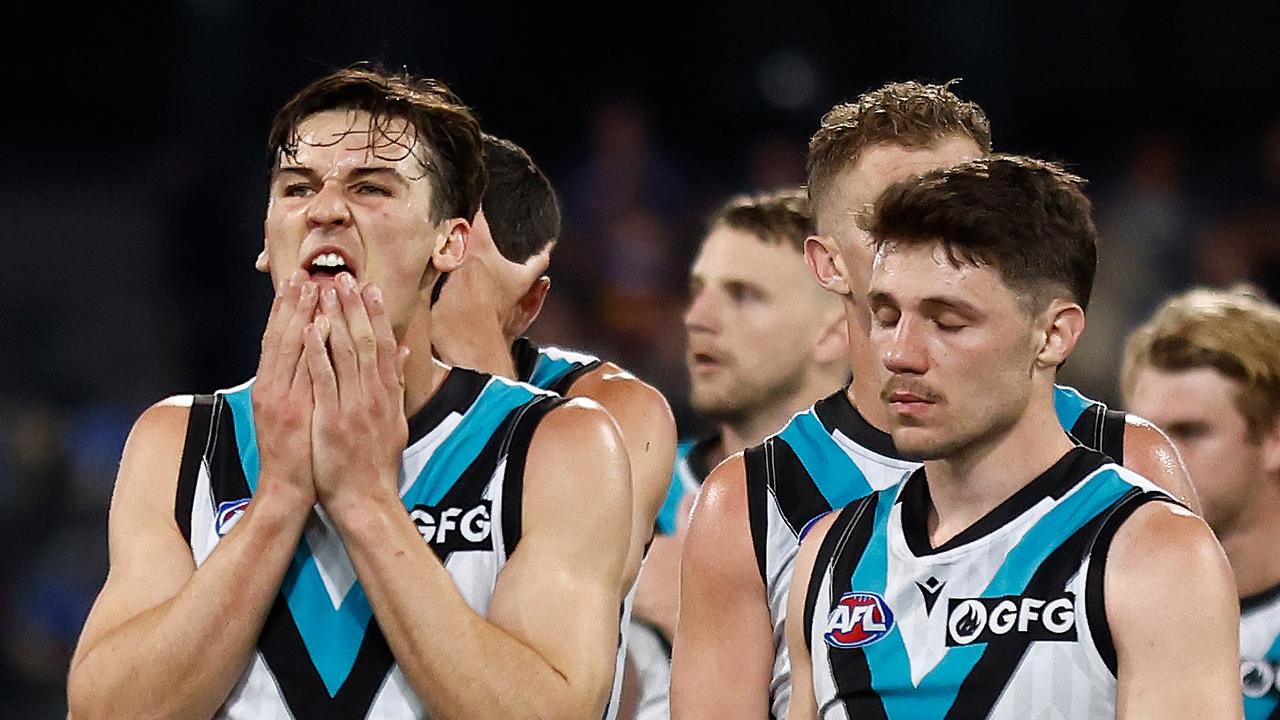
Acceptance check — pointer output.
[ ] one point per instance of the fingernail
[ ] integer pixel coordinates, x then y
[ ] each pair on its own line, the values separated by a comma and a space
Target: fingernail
347, 281
375, 295
308, 290
330, 296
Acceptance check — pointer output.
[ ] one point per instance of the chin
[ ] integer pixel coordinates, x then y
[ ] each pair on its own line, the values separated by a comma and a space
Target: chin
918, 444
714, 406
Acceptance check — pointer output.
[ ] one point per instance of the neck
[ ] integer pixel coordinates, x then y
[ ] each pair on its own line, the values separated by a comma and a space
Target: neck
1248, 543
478, 343
864, 391
971, 482
423, 375
488, 352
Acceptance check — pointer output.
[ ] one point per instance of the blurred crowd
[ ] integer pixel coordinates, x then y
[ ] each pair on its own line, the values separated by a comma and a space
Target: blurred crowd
146, 310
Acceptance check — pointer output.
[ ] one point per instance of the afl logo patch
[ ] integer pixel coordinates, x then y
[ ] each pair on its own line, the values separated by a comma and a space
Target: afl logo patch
859, 619
228, 515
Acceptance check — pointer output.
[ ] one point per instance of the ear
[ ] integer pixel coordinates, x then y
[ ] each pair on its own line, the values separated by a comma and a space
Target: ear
833, 341
1062, 323
451, 245
528, 306
262, 264
823, 258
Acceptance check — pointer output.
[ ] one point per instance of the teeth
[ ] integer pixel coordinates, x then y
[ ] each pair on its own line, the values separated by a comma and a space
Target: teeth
328, 260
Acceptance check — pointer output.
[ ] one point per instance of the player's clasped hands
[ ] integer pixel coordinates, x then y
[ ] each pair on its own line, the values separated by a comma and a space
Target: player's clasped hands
358, 427
329, 395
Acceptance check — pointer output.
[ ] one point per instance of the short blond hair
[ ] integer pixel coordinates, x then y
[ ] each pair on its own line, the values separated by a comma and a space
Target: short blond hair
907, 114
1234, 331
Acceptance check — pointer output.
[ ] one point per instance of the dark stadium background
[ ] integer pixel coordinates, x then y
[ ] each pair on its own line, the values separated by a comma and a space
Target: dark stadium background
134, 183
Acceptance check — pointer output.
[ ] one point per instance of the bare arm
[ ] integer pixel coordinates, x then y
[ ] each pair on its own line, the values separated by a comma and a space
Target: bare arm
165, 639
714, 673
547, 647
1177, 656
1151, 454
649, 435
804, 705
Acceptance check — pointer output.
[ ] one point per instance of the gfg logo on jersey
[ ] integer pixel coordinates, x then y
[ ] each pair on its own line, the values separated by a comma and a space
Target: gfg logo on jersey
453, 528
981, 620
859, 619
228, 515
1259, 678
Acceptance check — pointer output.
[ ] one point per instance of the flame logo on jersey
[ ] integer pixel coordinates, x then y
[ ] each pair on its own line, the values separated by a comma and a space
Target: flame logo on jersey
859, 619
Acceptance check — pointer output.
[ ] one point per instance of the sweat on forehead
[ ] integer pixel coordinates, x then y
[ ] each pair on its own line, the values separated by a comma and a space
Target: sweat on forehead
390, 138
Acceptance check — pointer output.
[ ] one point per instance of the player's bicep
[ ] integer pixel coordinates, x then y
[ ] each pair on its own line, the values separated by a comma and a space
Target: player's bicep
150, 560
723, 650
560, 591
1177, 655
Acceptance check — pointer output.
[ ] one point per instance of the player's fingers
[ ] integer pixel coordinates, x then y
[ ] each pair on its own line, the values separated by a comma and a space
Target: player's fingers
388, 361
361, 329
324, 383
341, 350
281, 308
289, 350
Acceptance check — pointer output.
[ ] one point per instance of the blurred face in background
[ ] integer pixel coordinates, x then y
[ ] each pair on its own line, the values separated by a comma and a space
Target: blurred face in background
1196, 408
753, 321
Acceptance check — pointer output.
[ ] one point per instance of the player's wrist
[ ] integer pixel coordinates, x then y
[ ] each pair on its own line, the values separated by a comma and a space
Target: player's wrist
362, 511
281, 499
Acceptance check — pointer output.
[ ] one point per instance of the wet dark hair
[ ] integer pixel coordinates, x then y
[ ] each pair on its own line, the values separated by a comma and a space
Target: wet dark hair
446, 135
519, 203
1028, 219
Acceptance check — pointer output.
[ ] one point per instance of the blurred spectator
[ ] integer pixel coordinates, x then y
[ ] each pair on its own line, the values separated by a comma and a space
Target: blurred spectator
776, 161
1145, 221
1246, 245
625, 207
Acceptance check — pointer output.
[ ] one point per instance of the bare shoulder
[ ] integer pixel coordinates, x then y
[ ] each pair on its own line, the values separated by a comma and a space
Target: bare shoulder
1160, 549
723, 497
1173, 614
575, 445
153, 451
1150, 453
719, 547
633, 402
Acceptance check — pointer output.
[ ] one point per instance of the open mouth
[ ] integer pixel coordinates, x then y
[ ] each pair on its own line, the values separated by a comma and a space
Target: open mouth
328, 265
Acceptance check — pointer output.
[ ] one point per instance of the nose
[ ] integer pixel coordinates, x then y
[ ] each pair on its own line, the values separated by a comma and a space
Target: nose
902, 348
329, 207
702, 315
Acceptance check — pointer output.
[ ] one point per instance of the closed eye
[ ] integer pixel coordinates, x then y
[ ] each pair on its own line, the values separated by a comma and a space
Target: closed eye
371, 189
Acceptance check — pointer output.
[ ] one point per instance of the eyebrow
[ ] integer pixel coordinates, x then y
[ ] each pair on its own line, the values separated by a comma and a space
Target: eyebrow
356, 174
947, 302
939, 302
